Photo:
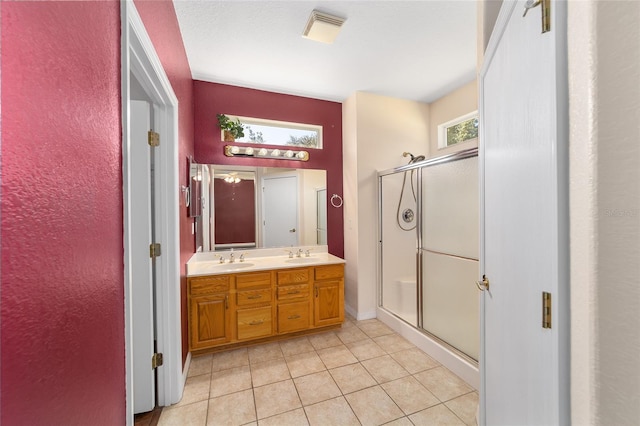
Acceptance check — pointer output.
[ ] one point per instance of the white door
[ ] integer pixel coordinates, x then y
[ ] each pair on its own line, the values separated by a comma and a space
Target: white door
524, 220
141, 265
280, 211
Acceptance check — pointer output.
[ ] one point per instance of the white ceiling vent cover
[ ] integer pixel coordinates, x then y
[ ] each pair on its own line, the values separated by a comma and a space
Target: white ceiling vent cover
323, 27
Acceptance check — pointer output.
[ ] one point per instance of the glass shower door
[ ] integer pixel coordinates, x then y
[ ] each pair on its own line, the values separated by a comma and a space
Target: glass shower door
450, 247
398, 244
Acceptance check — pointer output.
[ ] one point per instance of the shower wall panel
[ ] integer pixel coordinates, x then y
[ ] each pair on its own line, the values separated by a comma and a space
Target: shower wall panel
398, 247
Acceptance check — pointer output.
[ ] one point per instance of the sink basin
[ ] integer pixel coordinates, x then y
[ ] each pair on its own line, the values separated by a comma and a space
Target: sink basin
302, 260
232, 266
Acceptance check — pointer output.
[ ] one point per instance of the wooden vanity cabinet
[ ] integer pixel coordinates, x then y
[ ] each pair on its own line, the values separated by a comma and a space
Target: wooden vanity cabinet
209, 312
328, 306
235, 308
294, 301
254, 311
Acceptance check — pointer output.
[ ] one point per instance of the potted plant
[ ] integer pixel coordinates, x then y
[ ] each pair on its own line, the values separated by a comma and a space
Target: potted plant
233, 129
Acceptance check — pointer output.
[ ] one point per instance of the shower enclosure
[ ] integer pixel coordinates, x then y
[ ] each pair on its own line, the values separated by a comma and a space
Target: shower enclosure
428, 248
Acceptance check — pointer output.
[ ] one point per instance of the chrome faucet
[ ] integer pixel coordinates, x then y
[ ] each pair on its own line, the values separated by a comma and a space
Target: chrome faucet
300, 251
221, 258
241, 257
231, 258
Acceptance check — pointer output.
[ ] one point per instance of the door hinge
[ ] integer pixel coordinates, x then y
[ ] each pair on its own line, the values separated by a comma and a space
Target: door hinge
154, 138
546, 310
156, 360
154, 250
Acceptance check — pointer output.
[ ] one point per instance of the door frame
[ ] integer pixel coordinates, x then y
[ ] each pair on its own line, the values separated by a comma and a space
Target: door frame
140, 58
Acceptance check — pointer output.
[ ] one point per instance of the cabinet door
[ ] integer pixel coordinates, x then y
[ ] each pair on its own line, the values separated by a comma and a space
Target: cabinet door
210, 320
328, 303
293, 316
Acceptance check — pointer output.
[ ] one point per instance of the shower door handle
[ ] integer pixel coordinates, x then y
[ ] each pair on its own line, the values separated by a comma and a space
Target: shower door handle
484, 284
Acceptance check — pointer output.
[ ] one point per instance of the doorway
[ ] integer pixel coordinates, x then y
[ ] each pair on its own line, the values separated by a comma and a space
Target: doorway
280, 211
143, 75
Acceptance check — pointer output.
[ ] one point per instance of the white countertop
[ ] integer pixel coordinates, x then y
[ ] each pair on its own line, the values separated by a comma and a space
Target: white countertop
208, 263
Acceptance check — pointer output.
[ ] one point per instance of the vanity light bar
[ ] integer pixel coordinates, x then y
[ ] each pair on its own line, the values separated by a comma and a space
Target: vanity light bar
273, 153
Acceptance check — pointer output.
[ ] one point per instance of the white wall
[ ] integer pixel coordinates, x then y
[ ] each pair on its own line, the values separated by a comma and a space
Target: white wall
459, 102
376, 131
604, 88
312, 180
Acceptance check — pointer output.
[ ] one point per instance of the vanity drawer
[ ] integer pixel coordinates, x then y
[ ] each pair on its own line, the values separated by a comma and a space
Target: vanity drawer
289, 292
253, 323
293, 317
250, 297
208, 285
255, 279
293, 276
329, 271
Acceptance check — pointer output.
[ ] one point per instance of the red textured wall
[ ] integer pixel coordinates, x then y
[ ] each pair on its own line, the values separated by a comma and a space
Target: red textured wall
62, 315
235, 211
161, 23
212, 98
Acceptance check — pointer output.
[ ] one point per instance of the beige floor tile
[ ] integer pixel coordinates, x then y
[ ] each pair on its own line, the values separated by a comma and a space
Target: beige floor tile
188, 415
290, 418
347, 323
195, 389
402, 421
230, 380
443, 383
438, 415
266, 352
276, 398
324, 340
373, 406
351, 334
336, 356
365, 349
410, 395
230, 359
316, 387
199, 365
296, 346
374, 328
351, 378
233, 409
465, 407
393, 343
305, 363
333, 412
272, 371
384, 369
414, 360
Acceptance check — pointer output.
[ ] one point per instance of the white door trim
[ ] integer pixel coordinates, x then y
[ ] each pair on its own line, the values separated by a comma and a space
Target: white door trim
139, 57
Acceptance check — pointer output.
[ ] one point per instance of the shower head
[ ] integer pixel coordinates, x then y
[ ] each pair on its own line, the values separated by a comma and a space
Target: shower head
414, 158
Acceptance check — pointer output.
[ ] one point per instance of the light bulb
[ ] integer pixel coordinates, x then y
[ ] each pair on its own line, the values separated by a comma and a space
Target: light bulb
301, 155
288, 154
262, 152
248, 151
235, 150
275, 153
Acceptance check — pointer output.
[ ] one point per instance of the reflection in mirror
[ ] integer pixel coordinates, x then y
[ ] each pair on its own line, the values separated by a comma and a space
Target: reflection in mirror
256, 207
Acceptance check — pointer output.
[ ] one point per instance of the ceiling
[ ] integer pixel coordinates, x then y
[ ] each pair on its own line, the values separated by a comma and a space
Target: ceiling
418, 50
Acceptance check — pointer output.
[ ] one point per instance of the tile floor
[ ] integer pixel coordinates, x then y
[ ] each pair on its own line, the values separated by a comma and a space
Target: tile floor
362, 374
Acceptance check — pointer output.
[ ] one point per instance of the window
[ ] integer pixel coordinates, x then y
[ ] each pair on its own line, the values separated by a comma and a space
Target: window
460, 130
271, 132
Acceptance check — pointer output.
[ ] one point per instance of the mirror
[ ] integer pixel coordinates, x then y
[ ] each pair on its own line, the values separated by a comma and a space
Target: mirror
259, 207
194, 199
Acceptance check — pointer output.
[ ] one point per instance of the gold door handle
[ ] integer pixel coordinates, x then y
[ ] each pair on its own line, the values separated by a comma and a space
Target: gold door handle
484, 284
257, 296
292, 317
294, 292
256, 322
226, 302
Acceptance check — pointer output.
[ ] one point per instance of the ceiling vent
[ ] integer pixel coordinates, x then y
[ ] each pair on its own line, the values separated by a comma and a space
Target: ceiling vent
323, 27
